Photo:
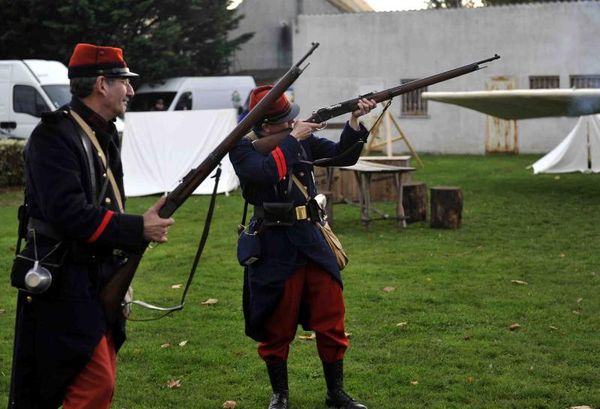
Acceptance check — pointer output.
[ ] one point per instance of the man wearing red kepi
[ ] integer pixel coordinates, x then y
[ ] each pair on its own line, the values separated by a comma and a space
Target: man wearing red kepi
291, 275
76, 230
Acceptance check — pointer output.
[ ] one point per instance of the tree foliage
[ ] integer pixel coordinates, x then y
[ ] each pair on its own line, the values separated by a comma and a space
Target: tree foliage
439, 4
160, 38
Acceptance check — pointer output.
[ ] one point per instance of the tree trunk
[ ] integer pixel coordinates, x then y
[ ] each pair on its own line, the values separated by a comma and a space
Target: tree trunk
414, 201
446, 207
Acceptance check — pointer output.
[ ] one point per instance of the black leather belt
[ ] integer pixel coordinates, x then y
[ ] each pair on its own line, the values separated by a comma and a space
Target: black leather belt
280, 214
286, 214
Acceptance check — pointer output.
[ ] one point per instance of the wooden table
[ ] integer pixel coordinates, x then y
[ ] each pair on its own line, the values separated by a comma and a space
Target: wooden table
363, 171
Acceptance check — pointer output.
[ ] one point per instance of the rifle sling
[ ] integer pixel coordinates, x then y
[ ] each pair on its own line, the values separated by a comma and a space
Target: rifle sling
201, 245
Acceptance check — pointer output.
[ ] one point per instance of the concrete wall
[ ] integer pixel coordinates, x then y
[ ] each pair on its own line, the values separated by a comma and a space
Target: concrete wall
266, 18
371, 51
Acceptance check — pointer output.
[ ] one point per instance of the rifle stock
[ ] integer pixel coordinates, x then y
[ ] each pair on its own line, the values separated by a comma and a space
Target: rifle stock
112, 294
267, 143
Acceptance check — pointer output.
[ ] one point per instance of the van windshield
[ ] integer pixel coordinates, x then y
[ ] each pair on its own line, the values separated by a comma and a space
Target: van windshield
59, 94
146, 101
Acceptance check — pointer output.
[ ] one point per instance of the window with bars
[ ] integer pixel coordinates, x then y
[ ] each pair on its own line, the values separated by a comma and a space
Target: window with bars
412, 103
585, 81
544, 81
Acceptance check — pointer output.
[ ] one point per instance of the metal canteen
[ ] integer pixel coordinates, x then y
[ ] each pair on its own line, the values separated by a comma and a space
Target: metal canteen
38, 278
321, 200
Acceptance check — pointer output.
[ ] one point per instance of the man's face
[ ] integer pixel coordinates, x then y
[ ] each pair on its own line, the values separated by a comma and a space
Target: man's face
119, 91
270, 129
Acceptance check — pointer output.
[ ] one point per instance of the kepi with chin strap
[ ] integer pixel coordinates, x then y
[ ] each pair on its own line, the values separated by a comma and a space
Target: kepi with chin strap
89, 60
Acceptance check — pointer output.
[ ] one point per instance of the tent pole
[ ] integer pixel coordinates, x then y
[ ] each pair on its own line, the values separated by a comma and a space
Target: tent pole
589, 147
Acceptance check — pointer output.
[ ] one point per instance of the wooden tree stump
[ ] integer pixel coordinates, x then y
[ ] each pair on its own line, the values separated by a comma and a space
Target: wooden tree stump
414, 201
446, 207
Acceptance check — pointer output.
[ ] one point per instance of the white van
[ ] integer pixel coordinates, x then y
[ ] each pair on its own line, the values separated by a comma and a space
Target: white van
28, 88
190, 93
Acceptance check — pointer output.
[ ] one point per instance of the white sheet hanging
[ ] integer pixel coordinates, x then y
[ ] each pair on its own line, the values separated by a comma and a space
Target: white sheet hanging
160, 148
573, 153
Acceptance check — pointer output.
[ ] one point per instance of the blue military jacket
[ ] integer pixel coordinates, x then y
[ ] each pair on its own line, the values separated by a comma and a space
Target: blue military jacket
57, 331
266, 178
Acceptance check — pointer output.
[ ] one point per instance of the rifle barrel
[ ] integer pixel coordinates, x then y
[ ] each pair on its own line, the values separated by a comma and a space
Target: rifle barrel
350, 105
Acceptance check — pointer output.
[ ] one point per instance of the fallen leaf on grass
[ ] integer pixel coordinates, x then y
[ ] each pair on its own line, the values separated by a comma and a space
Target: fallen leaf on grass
174, 384
308, 337
183, 343
561, 255
348, 334
576, 312
514, 327
414, 382
229, 404
579, 300
402, 324
581, 407
166, 345
388, 289
470, 380
210, 301
176, 286
552, 327
520, 282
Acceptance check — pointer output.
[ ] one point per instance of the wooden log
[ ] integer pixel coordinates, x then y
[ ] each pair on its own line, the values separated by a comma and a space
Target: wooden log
414, 201
446, 207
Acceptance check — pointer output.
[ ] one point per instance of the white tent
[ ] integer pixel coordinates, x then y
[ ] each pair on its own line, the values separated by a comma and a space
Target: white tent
578, 152
160, 148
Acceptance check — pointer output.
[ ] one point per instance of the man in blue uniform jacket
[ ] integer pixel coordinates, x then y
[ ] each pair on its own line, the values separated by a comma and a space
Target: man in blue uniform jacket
295, 277
65, 351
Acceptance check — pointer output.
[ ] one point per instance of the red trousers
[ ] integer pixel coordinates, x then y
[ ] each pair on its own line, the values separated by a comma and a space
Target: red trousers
318, 291
94, 386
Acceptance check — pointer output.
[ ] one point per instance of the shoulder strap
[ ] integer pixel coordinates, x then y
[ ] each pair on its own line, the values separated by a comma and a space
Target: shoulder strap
300, 186
87, 148
92, 136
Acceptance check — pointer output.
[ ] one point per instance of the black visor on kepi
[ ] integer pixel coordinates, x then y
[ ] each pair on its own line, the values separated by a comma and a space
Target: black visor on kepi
285, 116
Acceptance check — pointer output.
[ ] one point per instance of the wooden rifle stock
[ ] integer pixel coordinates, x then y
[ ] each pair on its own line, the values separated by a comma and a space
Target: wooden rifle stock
114, 291
267, 143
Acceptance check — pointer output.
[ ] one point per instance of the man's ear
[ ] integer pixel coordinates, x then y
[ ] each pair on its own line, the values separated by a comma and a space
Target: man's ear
101, 85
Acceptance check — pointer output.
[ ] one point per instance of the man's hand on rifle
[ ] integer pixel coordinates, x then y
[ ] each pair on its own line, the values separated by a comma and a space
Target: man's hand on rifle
364, 107
302, 130
155, 227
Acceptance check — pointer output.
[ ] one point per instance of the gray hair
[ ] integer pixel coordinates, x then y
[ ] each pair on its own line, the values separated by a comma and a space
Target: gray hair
83, 87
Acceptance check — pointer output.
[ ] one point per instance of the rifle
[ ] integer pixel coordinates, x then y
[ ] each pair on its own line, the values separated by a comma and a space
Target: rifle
266, 144
111, 296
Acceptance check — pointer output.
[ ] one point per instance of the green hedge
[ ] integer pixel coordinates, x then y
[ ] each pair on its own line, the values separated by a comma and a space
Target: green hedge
11, 163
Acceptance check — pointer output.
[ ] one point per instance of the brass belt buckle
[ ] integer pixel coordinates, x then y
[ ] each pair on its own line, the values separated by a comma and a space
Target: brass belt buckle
301, 213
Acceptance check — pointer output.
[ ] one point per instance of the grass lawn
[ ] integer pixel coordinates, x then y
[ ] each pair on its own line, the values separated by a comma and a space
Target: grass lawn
453, 292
